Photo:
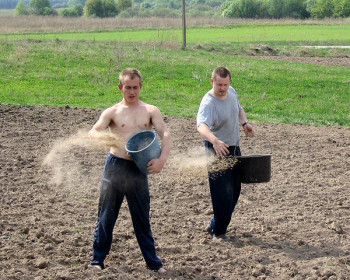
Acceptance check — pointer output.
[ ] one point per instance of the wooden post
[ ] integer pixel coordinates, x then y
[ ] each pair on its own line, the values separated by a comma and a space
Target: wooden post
183, 24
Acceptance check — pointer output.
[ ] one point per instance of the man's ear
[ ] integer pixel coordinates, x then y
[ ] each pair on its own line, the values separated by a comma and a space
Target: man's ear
212, 80
120, 86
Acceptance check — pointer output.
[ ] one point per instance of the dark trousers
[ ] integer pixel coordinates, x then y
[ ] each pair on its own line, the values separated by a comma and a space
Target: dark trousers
121, 178
225, 187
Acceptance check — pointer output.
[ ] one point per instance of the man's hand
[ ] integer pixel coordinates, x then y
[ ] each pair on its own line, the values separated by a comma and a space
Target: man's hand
249, 130
155, 165
220, 148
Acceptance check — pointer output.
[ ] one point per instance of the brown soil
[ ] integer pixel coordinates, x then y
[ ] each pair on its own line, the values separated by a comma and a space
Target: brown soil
295, 226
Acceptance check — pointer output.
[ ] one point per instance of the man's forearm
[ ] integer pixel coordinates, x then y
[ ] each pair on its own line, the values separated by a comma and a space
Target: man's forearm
206, 133
242, 117
166, 146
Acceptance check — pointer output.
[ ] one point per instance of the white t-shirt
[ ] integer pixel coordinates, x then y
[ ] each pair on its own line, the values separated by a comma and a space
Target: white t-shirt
221, 116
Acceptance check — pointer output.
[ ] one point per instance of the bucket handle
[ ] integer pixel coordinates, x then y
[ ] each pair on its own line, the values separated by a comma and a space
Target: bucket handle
265, 138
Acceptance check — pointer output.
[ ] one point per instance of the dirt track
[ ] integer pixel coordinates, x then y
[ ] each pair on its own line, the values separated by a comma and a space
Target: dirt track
296, 226
329, 61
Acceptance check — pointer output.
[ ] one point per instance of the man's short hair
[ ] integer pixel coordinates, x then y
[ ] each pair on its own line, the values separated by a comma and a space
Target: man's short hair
132, 73
222, 72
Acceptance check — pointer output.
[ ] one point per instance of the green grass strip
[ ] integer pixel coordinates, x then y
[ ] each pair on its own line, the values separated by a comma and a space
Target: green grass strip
253, 33
85, 74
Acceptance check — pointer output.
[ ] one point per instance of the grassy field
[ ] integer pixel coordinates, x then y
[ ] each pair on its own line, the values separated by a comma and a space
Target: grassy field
47, 70
249, 33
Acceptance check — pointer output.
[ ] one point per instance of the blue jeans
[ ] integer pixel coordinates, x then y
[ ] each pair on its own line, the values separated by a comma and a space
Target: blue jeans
225, 188
121, 178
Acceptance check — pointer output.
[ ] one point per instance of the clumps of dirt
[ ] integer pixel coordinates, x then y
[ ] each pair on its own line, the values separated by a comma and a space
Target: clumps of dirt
295, 226
263, 50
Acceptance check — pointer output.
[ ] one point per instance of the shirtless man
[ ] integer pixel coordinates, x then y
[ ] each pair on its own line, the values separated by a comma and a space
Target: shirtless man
121, 177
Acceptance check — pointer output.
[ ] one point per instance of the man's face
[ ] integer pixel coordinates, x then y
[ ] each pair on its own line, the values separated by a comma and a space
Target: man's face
220, 86
131, 89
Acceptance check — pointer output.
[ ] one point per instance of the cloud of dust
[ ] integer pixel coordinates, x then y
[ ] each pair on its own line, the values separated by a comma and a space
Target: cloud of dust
189, 165
70, 161
194, 164
67, 157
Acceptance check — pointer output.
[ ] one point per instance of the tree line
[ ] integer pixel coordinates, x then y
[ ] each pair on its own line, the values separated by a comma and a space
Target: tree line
258, 9
298, 9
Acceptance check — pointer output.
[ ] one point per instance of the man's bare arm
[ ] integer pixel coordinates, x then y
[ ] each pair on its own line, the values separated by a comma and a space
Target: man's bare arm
103, 122
156, 165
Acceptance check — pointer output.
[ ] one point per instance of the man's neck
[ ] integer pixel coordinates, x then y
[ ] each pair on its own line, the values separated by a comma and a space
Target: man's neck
131, 104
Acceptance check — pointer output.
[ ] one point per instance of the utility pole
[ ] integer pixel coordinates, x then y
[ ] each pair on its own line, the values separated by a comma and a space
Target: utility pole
183, 24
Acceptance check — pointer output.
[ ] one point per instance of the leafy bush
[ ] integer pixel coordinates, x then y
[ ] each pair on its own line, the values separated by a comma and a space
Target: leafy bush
299, 9
40, 7
124, 4
94, 8
101, 8
75, 11
329, 8
110, 8
130, 12
21, 9
288, 8
242, 8
47, 11
322, 9
341, 8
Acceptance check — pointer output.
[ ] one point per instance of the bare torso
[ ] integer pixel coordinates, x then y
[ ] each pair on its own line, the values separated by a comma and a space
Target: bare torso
128, 120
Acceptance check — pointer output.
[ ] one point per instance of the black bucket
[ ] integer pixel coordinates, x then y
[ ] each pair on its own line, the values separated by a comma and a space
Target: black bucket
254, 168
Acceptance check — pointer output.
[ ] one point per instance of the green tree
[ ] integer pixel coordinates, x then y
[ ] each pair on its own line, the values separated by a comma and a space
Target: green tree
124, 4
309, 4
145, 5
241, 8
322, 9
110, 8
21, 8
40, 7
132, 12
295, 9
230, 9
276, 8
249, 8
74, 11
341, 8
48, 11
94, 8
264, 9
78, 10
101, 8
